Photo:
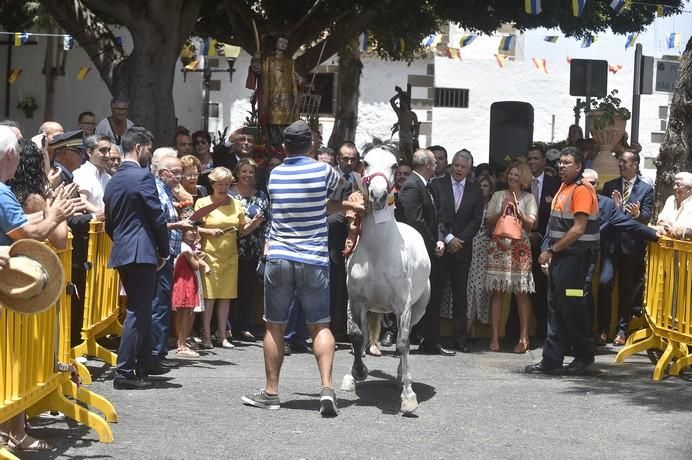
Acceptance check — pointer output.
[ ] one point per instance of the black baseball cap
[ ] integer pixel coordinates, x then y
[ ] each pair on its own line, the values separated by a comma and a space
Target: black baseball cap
298, 133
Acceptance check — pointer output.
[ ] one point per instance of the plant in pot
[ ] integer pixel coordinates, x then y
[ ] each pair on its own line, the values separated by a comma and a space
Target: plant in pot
607, 120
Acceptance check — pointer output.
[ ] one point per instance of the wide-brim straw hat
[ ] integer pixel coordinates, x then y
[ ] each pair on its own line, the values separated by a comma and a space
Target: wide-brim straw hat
34, 278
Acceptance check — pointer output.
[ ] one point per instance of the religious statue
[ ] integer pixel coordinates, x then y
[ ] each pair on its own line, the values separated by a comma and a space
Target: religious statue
277, 91
407, 125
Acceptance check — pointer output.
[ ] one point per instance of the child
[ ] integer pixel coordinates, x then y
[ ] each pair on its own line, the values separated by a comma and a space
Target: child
187, 289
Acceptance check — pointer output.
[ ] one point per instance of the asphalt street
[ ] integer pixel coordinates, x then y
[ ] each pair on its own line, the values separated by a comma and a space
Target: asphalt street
478, 405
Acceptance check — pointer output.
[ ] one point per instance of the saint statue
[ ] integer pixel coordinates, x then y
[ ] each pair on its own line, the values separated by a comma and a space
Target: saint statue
407, 124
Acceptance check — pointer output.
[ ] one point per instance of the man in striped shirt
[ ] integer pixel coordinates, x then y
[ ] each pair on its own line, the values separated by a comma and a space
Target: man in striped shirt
298, 262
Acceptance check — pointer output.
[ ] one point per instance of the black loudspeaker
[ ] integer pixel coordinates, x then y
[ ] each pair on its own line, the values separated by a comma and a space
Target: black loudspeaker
588, 72
511, 131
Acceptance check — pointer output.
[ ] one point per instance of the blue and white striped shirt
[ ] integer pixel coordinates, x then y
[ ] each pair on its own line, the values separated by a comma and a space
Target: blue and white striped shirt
298, 192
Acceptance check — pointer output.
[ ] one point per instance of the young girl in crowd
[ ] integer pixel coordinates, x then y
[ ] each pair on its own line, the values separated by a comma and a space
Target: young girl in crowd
187, 289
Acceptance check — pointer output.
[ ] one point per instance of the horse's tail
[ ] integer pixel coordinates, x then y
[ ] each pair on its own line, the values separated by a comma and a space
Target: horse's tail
374, 320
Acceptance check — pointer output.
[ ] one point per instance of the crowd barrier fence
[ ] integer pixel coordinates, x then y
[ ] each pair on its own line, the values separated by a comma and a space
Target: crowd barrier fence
31, 347
101, 294
668, 309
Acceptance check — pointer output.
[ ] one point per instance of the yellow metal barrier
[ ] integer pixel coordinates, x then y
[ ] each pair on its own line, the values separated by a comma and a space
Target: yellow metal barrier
30, 347
100, 300
668, 307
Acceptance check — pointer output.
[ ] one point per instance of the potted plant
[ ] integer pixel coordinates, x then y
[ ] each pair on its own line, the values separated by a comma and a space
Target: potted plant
28, 106
606, 121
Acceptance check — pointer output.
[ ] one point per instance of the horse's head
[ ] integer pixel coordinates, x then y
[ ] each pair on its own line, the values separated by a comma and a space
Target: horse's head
379, 168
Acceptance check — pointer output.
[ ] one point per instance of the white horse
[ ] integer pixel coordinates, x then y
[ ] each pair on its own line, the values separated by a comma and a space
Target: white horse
388, 272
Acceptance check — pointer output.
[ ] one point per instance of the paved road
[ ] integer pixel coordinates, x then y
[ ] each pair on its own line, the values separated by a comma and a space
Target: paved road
478, 405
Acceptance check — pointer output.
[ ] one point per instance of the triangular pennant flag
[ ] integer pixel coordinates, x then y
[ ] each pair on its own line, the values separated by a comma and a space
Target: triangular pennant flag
541, 64
466, 40
569, 60
501, 59
83, 72
402, 45
661, 10
507, 44
588, 41
532, 7
631, 40
14, 75
617, 5
67, 42
551, 38
674, 40
209, 47
578, 7
20, 38
614, 68
429, 40
454, 53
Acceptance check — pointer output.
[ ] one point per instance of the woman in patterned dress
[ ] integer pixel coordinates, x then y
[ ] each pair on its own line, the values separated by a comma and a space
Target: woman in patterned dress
509, 261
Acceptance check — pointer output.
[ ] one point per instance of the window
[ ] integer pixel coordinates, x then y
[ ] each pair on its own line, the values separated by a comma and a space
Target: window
452, 97
324, 86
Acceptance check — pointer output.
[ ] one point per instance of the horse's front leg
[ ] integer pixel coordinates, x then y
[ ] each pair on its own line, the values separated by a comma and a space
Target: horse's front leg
359, 336
409, 401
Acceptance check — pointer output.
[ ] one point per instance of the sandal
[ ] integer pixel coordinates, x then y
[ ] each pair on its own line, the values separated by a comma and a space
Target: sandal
28, 444
206, 346
494, 346
186, 353
374, 351
4, 438
522, 346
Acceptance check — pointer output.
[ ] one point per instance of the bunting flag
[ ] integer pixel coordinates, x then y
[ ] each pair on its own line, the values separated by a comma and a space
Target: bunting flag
631, 40
551, 38
466, 40
533, 7
614, 68
209, 47
14, 75
432, 41
67, 42
193, 65
578, 7
20, 38
674, 40
617, 5
364, 41
501, 59
588, 41
402, 45
507, 44
541, 64
83, 72
454, 53
661, 10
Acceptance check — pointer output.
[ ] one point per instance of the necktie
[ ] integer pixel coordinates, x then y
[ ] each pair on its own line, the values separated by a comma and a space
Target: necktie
347, 187
626, 192
457, 195
535, 190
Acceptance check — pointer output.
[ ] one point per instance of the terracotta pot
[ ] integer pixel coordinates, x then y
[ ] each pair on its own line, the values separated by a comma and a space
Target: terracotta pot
605, 163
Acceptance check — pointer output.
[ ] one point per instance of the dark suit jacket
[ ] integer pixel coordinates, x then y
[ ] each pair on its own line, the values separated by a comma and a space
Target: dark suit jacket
224, 156
643, 193
415, 207
464, 222
613, 221
550, 187
134, 218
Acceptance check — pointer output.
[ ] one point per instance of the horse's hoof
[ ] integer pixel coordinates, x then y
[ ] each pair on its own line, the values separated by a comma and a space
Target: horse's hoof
360, 374
348, 383
409, 405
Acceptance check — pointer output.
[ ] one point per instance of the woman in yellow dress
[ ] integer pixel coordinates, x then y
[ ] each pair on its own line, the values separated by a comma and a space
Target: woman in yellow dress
219, 234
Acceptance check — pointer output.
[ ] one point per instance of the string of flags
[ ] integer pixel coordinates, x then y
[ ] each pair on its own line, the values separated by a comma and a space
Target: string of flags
534, 8
541, 64
673, 40
589, 40
631, 40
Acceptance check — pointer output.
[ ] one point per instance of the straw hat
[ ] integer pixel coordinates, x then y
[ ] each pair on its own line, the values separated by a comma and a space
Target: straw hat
34, 278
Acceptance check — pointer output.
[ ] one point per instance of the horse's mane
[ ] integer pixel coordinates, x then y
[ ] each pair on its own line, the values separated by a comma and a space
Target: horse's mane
378, 143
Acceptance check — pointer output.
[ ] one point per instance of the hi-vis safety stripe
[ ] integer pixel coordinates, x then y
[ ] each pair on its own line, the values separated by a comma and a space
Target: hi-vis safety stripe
574, 292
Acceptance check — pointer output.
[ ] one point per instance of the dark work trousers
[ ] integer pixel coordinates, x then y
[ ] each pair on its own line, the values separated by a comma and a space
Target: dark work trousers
539, 298
630, 271
161, 311
430, 323
247, 283
80, 244
456, 269
134, 353
338, 294
569, 318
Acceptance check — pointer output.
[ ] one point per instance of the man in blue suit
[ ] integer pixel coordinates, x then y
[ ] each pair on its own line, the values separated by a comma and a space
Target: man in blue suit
612, 221
136, 223
626, 250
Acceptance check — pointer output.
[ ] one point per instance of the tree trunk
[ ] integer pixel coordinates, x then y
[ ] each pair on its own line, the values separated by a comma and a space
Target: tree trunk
676, 151
348, 92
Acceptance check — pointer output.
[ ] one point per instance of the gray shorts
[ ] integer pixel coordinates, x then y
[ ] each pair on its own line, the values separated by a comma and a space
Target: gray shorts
286, 279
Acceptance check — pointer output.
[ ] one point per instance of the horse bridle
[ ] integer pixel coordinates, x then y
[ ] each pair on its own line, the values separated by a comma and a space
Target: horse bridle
367, 179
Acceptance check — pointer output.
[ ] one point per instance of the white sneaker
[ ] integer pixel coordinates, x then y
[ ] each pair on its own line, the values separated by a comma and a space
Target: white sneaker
227, 344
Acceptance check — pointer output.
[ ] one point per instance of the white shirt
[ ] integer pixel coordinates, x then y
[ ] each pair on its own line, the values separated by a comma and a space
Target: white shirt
679, 217
104, 128
450, 236
91, 183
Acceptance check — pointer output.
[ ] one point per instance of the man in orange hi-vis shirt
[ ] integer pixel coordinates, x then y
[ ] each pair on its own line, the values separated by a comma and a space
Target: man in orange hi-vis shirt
570, 251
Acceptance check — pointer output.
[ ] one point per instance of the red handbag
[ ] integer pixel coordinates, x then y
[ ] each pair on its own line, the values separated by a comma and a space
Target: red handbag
509, 224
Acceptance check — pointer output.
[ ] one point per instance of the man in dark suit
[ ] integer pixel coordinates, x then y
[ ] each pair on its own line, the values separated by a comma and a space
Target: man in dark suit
612, 220
238, 145
136, 223
636, 198
459, 206
543, 187
416, 208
